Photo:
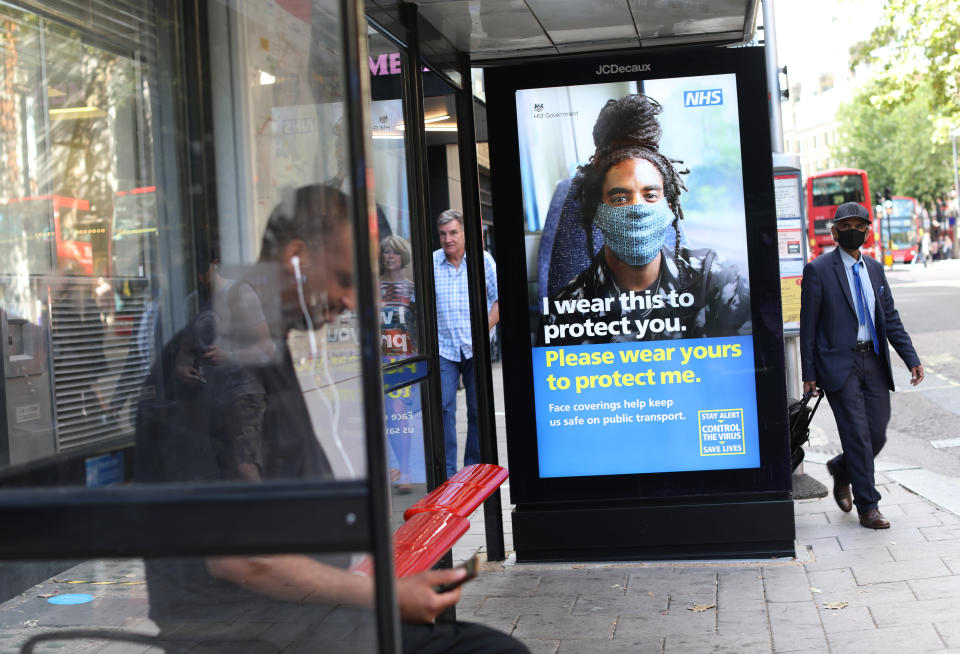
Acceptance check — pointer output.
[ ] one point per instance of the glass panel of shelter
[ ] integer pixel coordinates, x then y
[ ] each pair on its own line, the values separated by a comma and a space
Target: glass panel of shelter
71, 280
400, 316
444, 193
116, 300
170, 605
186, 327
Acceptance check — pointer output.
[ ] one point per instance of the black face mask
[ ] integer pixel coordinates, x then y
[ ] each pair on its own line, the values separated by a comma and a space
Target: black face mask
850, 239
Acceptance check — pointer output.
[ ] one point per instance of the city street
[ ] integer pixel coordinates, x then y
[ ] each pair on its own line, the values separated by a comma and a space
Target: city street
922, 416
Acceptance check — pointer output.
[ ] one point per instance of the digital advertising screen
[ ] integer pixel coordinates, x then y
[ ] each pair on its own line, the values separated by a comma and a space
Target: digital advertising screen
638, 213
652, 359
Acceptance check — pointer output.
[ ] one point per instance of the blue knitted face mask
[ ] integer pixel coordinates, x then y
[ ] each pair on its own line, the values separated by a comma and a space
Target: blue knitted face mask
635, 232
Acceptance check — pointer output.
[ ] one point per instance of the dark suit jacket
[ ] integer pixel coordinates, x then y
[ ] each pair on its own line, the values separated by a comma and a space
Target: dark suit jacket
828, 322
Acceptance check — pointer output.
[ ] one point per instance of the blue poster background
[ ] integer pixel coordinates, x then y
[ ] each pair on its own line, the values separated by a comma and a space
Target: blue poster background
656, 406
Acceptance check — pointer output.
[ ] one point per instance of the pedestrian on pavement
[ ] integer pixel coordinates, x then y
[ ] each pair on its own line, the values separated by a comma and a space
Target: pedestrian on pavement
453, 332
924, 246
847, 317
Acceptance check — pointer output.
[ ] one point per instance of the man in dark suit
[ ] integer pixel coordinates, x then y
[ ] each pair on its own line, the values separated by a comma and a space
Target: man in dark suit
846, 319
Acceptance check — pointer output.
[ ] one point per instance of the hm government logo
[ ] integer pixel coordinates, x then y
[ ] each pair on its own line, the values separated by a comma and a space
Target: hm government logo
537, 112
705, 98
616, 69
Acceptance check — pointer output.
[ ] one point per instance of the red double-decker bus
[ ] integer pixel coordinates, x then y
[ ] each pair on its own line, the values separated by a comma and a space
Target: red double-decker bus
825, 192
65, 221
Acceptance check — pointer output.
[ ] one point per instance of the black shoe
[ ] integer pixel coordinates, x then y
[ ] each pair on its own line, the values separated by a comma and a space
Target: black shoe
841, 489
873, 519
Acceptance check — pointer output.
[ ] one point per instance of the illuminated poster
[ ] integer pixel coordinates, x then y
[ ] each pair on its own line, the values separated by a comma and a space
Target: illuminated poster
642, 334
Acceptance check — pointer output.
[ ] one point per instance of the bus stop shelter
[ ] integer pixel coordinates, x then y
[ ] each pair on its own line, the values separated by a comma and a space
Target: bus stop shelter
156, 157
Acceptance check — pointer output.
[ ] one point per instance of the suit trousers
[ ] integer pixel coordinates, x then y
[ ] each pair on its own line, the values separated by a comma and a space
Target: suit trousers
861, 408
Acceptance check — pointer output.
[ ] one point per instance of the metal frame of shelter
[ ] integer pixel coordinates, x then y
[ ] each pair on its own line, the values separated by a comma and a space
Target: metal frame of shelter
43, 522
48, 523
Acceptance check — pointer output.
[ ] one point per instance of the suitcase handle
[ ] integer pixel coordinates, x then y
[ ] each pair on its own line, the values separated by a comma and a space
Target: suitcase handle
806, 400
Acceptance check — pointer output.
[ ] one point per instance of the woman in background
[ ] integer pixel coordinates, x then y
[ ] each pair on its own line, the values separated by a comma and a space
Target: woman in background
396, 324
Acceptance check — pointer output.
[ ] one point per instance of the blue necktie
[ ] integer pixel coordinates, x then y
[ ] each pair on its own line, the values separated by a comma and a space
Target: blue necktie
862, 312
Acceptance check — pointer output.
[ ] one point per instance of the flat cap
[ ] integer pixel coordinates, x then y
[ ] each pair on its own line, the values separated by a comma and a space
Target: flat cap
852, 210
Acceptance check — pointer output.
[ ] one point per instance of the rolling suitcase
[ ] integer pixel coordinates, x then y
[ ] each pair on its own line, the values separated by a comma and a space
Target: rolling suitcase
800, 414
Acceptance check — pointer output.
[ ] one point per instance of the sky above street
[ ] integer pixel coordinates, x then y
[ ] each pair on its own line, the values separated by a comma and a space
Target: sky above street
814, 36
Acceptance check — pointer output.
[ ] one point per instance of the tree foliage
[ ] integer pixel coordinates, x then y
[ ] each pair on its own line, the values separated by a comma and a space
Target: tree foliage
895, 145
917, 45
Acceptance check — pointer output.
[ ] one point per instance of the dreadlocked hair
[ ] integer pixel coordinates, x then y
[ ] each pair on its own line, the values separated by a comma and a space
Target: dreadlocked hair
628, 129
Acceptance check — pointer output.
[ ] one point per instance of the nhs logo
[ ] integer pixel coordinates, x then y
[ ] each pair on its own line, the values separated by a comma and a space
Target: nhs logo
704, 98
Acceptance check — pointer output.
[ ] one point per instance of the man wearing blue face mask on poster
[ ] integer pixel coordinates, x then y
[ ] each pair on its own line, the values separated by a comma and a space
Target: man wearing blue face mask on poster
631, 193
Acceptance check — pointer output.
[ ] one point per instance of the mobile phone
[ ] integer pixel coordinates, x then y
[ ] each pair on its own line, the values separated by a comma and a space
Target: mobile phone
471, 566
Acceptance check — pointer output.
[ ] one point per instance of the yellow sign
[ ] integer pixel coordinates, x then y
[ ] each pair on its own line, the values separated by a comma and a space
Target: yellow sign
790, 296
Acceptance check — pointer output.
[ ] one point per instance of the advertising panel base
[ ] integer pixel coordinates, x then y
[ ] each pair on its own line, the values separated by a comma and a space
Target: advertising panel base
691, 529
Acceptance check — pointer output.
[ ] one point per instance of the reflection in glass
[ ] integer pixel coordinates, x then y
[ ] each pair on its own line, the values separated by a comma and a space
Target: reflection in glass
176, 606
225, 401
75, 277
405, 434
397, 299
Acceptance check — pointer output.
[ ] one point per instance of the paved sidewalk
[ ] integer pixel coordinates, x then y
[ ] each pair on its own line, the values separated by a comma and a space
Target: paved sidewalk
849, 589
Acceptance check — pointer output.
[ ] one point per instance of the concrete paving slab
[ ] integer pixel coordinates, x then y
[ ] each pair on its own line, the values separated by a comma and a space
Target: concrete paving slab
810, 520
505, 607
916, 613
675, 623
900, 571
608, 585
807, 507
936, 587
823, 546
502, 584
623, 606
889, 640
923, 550
786, 585
717, 643
784, 615
542, 646
953, 563
946, 532
538, 625
872, 595
850, 618
651, 645
871, 538
731, 622
846, 559
799, 638
949, 631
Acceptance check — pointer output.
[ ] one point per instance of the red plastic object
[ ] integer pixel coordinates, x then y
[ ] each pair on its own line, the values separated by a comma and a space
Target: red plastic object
420, 542
463, 493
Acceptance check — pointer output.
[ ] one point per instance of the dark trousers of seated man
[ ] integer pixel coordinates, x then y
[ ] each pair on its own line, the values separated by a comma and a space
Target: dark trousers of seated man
457, 638
861, 408
439, 638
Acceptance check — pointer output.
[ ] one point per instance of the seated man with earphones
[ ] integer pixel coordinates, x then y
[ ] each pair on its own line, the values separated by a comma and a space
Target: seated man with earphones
303, 280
